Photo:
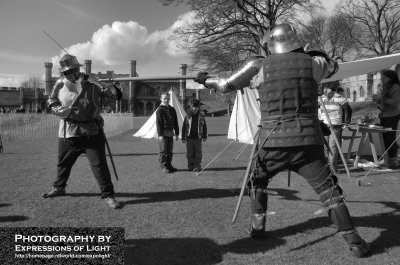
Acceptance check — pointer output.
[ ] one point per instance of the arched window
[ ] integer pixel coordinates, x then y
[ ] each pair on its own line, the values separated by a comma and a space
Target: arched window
140, 108
361, 91
354, 95
347, 92
149, 108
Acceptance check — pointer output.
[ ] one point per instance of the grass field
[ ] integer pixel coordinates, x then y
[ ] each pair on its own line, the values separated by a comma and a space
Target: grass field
183, 218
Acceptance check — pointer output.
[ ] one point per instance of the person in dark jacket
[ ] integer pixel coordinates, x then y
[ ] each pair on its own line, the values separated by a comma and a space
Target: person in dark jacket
167, 128
194, 131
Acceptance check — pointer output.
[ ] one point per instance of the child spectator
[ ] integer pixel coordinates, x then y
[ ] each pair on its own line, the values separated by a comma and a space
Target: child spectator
194, 130
167, 123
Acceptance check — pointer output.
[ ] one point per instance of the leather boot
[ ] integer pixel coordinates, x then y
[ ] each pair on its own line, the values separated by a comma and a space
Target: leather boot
358, 247
259, 203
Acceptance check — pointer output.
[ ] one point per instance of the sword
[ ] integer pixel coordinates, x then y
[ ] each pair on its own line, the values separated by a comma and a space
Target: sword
108, 149
246, 175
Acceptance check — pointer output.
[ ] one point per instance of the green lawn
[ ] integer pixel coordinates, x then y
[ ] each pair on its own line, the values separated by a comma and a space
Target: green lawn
183, 218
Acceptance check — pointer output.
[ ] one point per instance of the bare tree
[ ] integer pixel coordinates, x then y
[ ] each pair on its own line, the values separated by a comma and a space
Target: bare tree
251, 19
330, 34
377, 25
33, 81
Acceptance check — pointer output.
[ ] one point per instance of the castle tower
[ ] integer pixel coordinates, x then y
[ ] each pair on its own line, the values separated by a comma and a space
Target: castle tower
182, 84
88, 66
132, 90
48, 78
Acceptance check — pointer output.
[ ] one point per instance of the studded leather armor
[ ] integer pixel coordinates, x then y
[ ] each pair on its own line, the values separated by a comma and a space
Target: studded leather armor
289, 101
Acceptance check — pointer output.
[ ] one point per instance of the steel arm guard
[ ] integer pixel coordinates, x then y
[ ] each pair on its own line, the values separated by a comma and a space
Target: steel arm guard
226, 82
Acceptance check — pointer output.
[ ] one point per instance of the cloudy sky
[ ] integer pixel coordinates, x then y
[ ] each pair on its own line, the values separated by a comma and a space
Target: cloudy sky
108, 32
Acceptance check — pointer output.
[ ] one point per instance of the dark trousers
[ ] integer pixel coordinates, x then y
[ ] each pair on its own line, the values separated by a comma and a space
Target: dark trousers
194, 153
309, 162
390, 136
94, 147
166, 146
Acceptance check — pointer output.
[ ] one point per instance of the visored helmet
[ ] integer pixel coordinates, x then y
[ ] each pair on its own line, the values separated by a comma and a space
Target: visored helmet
68, 62
283, 38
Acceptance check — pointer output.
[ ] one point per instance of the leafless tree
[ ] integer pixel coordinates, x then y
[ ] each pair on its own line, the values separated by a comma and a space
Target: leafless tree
330, 34
251, 19
223, 33
33, 81
377, 25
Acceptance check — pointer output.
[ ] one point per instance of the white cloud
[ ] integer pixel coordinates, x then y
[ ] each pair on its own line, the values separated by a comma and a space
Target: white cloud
111, 47
11, 81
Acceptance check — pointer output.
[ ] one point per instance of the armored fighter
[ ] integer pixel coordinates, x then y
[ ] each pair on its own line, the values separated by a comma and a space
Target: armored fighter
78, 99
290, 134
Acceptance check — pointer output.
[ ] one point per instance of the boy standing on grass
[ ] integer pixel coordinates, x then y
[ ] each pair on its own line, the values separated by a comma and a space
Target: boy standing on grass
167, 123
194, 130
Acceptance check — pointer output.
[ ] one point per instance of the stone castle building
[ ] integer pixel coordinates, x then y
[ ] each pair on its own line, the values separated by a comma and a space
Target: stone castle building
140, 98
360, 88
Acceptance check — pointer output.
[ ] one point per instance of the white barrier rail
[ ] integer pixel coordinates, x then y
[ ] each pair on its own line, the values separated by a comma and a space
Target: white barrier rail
44, 127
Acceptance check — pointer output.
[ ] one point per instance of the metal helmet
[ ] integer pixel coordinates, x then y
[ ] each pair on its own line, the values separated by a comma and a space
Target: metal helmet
283, 38
68, 62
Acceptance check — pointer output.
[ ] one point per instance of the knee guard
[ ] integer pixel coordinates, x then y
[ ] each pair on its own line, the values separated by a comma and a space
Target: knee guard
259, 203
331, 196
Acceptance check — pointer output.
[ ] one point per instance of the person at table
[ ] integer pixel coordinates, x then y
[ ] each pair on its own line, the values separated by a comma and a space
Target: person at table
389, 100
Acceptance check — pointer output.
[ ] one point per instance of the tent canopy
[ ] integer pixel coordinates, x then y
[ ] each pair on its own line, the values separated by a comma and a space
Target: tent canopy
149, 129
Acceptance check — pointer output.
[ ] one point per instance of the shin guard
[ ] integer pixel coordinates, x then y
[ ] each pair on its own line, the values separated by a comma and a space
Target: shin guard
333, 200
259, 203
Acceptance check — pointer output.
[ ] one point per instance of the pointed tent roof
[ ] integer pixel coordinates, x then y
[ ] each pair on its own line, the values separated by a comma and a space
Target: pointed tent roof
149, 129
245, 116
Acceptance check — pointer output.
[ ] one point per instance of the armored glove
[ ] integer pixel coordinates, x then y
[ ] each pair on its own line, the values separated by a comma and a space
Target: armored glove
201, 77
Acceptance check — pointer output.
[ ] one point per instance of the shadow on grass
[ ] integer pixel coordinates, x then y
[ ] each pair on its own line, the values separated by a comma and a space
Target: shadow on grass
165, 196
207, 251
216, 134
13, 218
189, 250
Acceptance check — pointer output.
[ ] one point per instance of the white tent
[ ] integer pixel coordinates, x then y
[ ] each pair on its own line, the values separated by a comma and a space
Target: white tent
149, 129
245, 116
246, 113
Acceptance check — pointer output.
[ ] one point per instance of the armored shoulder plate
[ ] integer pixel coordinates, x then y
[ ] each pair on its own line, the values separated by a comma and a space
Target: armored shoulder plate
333, 64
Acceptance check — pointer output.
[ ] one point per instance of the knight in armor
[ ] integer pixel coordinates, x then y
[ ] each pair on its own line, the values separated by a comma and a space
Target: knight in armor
290, 136
78, 99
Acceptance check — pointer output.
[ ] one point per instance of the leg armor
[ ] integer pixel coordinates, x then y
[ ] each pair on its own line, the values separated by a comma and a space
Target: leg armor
358, 247
259, 202
331, 196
